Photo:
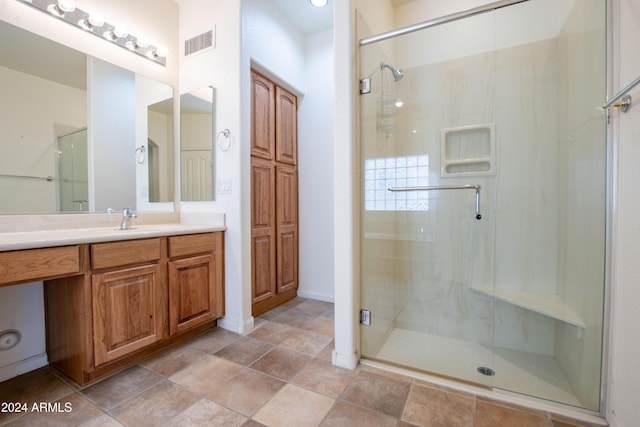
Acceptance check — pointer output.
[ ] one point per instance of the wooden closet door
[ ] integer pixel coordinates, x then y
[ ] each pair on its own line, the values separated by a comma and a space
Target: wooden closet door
286, 127
287, 227
263, 230
263, 128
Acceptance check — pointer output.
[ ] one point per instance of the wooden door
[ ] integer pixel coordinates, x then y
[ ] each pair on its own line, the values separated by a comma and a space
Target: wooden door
192, 292
126, 305
286, 127
263, 133
263, 230
287, 228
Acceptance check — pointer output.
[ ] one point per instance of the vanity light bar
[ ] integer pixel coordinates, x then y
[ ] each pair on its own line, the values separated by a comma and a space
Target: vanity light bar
94, 24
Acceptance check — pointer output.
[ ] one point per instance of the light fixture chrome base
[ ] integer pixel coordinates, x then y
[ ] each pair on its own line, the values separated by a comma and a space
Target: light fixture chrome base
84, 21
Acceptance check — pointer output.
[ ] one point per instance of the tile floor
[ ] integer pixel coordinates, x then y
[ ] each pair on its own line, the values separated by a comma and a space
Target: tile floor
279, 375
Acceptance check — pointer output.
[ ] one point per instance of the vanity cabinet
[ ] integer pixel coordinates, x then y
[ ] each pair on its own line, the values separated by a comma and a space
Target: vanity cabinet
195, 296
127, 300
126, 294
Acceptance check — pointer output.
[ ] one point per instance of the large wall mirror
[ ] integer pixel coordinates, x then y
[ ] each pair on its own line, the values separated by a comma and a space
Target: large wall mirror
77, 131
197, 144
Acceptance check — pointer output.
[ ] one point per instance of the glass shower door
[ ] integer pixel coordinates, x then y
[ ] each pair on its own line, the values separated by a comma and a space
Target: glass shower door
73, 187
506, 102
428, 169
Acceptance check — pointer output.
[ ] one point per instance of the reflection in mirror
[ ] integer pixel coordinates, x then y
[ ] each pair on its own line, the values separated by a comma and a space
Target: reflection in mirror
196, 144
160, 149
44, 103
71, 125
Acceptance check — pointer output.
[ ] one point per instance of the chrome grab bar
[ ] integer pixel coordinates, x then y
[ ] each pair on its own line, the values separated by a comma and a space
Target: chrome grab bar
444, 187
45, 178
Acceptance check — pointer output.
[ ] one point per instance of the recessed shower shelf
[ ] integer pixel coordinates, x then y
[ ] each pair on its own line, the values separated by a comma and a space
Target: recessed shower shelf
548, 304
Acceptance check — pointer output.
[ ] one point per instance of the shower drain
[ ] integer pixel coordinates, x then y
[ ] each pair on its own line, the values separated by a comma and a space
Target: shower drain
486, 371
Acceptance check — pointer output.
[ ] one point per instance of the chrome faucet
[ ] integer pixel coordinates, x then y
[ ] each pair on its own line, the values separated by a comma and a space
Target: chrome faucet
127, 214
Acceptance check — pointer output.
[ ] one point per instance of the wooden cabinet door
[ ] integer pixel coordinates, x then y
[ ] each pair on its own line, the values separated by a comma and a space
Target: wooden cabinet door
286, 127
126, 308
287, 228
193, 296
263, 230
263, 134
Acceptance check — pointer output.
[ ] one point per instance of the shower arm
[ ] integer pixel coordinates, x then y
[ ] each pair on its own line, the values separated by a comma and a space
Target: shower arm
444, 187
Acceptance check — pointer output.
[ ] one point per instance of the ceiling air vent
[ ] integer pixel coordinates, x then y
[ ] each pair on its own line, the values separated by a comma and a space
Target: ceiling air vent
199, 43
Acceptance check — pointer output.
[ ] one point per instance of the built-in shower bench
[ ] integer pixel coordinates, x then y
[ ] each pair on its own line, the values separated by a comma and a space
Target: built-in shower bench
544, 303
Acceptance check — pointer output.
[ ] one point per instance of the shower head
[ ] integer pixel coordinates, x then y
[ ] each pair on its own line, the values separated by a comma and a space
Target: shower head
397, 73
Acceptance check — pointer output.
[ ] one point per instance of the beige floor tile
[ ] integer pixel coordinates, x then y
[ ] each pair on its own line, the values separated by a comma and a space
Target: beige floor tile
271, 332
313, 307
103, 420
295, 319
37, 386
245, 351
155, 406
378, 392
205, 413
273, 313
207, 375
120, 387
70, 410
214, 340
322, 325
321, 376
168, 363
489, 415
345, 414
281, 363
431, 407
306, 341
247, 391
327, 352
293, 303
295, 406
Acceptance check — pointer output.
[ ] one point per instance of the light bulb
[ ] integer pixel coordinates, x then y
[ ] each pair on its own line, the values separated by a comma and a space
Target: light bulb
66, 5
319, 3
96, 20
92, 21
161, 51
142, 42
120, 31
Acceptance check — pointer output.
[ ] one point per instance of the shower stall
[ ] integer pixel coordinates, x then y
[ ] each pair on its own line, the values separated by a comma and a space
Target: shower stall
73, 182
483, 165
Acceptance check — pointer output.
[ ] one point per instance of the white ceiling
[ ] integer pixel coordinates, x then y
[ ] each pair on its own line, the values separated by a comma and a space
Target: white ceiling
307, 18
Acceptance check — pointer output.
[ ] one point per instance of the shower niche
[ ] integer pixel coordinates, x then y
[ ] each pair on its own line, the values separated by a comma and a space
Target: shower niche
468, 151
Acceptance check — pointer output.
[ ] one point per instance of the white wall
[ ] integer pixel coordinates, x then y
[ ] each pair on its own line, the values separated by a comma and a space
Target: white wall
624, 376
111, 104
28, 146
221, 68
315, 170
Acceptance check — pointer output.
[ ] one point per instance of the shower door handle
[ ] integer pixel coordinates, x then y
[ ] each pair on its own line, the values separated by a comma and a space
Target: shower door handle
444, 187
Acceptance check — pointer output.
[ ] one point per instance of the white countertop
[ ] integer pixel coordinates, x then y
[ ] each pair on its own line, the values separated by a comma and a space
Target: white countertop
48, 238
63, 231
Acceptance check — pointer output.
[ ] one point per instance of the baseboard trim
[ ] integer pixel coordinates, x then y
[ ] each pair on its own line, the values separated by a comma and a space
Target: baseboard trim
23, 366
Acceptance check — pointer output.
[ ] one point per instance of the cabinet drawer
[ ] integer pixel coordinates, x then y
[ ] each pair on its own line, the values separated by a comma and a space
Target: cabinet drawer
191, 244
130, 252
38, 264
